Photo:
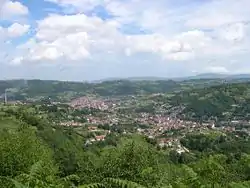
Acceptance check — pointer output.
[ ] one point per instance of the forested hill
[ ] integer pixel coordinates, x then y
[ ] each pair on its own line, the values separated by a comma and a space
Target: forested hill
224, 102
23, 89
32, 88
38, 154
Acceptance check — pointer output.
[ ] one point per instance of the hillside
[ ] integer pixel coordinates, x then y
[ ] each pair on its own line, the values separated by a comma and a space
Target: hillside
161, 136
53, 156
65, 91
34, 88
227, 101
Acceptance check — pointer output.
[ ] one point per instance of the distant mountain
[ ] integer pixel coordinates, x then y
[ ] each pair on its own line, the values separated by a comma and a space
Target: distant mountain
205, 76
220, 76
195, 77
240, 76
63, 90
213, 76
150, 78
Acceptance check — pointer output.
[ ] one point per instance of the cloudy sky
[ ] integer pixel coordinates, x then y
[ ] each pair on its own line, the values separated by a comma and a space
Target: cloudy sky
94, 39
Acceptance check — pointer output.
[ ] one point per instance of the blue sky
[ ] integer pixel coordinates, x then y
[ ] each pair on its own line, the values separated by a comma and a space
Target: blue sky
95, 39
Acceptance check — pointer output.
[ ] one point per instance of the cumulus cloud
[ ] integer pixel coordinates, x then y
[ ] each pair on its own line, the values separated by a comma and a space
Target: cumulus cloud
17, 30
13, 31
9, 9
164, 30
235, 32
214, 14
71, 37
80, 36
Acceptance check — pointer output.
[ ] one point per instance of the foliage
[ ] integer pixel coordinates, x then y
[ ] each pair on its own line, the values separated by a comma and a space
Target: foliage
46, 90
221, 103
36, 152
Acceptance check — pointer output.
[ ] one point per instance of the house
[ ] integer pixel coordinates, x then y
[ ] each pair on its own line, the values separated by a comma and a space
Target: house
165, 142
100, 138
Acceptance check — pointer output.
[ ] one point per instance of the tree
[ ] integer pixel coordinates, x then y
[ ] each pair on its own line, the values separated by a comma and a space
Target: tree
20, 150
133, 160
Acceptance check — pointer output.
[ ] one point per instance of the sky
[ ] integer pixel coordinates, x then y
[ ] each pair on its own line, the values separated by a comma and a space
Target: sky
97, 39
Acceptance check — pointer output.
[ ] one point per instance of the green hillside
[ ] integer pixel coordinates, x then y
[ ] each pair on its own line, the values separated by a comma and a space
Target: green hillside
225, 102
35, 152
63, 91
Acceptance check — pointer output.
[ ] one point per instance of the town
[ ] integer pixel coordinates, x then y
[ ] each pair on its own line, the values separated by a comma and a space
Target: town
157, 116
92, 114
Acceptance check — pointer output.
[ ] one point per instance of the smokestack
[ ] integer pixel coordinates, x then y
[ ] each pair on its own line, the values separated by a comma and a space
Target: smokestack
5, 97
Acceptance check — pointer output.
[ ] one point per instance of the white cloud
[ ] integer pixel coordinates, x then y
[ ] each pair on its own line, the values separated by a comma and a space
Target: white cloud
17, 61
72, 24
233, 32
7, 35
9, 9
192, 32
72, 42
218, 13
80, 37
72, 47
183, 46
13, 31
17, 30
155, 16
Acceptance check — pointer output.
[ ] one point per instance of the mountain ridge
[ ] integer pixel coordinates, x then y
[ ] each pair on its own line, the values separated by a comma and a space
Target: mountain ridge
147, 78
198, 76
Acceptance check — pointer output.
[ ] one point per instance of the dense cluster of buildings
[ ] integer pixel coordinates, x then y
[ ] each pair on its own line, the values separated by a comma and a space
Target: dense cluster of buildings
89, 102
157, 124
71, 124
108, 119
86, 102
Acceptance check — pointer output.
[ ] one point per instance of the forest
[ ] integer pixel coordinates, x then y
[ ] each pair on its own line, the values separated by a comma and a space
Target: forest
224, 102
37, 153
67, 90
32, 88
